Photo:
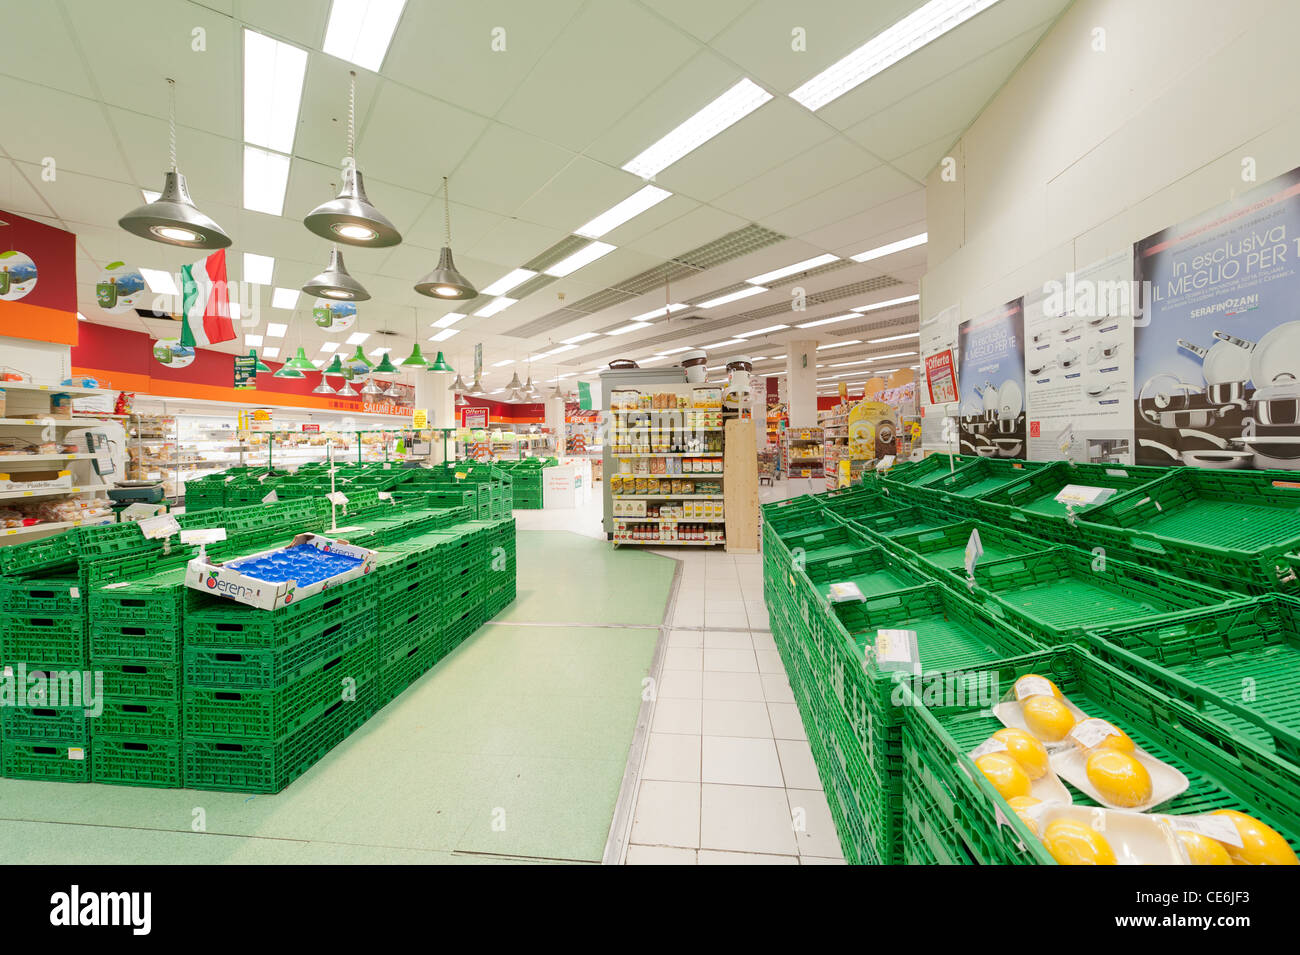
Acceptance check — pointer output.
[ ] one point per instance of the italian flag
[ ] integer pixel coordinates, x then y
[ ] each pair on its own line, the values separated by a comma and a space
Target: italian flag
207, 301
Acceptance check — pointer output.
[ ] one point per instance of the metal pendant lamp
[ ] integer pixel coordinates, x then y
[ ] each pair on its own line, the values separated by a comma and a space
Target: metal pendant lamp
557, 394
335, 282
515, 384
477, 387
445, 281
529, 390
347, 391
461, 401
173, 218
349, 217
323, 388
458, 385
371, 388
335, 368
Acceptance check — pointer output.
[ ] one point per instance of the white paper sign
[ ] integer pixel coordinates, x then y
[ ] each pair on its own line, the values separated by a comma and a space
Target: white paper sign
155, 528
1218, 828
337, 497
897, 650
974, 551
271, 498
885, 463
203, 535
1082, 494
841, 593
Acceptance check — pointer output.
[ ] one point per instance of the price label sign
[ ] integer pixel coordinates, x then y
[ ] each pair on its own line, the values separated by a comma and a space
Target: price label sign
155, 528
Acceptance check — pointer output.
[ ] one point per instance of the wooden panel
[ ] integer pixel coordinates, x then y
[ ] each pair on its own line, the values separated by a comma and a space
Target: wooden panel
740, 487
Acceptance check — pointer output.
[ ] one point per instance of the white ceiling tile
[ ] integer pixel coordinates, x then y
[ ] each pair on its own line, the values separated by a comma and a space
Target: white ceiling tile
578, 193
608, 58
510, 244
506, 168
468, 224
80, 121
856, 195
414, 140
323, 113
700, 20
684, 233
862, 230
826, 164
39, 49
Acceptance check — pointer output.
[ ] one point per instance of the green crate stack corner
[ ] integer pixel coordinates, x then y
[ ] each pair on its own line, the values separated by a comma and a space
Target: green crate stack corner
1153, 604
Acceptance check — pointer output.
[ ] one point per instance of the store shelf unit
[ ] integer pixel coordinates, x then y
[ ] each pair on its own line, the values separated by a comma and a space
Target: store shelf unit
57, 486
804, 451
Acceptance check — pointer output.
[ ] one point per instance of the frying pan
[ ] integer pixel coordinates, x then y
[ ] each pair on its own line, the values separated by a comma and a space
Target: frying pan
1275, 358
1226, 367
1099, 350
1274, 451
1008, 447
1216, 458
1068, 358
1099, 389
1035, 372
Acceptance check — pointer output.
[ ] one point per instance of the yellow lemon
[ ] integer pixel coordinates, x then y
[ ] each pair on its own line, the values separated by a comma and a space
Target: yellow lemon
1073, 843
1203, 850
1263, 845
1047, 717
1112, 737
1005, 774
1020, 804
1026, 683
1025, 750
1121, 779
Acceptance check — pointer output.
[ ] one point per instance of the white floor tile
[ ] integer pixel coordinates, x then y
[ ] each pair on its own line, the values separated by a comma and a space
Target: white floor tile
731, 661
714, 857
816, 860
732, 686
746, 819
746, 718
814, 827
762, 640
677, 716
667, 814
659, 855
683, 658
776, 688
740, 761
725, 621
727, 640
797, 766
769, 661
686, 638
672, 756
786, 722
682, 684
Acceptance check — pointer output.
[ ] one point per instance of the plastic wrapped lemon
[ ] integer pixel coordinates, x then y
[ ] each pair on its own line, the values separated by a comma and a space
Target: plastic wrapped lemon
1202, 850
1020, 804
1047, 717
1121, 779
1005, 774
1096, 733
1025, 750
1073, 843
1031, 684
1263, 844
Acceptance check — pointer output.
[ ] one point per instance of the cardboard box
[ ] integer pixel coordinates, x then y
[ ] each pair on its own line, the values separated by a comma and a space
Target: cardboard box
221, 581
35, 480
60, 406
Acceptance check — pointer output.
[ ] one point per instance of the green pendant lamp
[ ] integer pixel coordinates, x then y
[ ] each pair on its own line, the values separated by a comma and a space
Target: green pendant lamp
335, 368
386, 366
359, 358
440, 364
288, 371
416, 359
300, 361
259, 366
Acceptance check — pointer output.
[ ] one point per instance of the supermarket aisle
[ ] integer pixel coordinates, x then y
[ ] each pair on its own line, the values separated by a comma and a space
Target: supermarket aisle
727, 775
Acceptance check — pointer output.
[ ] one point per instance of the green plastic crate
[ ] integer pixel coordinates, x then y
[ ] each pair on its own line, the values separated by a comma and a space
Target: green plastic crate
136, 640
44, 554
976, 478
49, 760
140, 679
225, 623
257, 667
52, 641
158, 599
873, 569
126, 761
138, 718
42, 596
941, 550
44, 723
1035, 495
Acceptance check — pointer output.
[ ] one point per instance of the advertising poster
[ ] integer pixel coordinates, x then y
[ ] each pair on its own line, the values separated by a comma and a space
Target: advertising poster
245, 371
474, 417
1078, 361
1217, 343
938, 338
991, 350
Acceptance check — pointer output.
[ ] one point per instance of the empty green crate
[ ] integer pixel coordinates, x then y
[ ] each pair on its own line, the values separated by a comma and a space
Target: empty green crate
901, 520
873, 569
410, 623
1056, 595
924, 472
155, 599
117, 640
140, 679
258, 766
43, 554
1035, 495
128, 716
58, 761
127, 761
225, 623
47, 640
408, 665
272, 713
977, 478
943, 549
44, 722
250, 667
42, 596
836, 541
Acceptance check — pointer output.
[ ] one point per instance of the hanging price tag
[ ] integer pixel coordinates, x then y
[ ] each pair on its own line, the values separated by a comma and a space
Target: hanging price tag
974, 551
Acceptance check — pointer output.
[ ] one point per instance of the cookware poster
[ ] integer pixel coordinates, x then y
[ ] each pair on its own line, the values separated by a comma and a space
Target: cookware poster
1079, 364
938, 347
1217, 338
991, 350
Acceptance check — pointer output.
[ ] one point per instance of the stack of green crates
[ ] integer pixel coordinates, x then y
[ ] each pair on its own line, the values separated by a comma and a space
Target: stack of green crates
526, 481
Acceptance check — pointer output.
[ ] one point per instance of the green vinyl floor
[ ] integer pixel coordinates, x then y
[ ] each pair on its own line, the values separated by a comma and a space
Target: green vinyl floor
511, 749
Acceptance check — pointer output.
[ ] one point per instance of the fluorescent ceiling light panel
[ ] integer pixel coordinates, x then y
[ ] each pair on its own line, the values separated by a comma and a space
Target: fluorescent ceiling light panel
881, 251
359, 31
888, 303
503, 363
253, 341
266, 174
629, 208
658, 312
585, 256
273, 76
897, 354
886, 48
828, 321
761, 331
733, 296
258, 268
729, 108
380, 351
448, 320
676, 351
357, 338
445, 334
159, 281
584, 337
275, 330
630, 327
271, 352
284, 298
554, 351
843, 344
329, 346
727, 344
509, 281
803, 266
499, 304
893, 338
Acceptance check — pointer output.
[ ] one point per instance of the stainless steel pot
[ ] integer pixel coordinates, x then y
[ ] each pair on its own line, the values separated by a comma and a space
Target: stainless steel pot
1278, 404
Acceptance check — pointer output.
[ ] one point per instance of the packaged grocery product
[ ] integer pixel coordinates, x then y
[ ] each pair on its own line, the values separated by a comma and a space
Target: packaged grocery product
1042, 782
1119, 777
1095, 732
1073, 843
1047, 718
1079, 835
1006, 775
1260, 843
1026, 750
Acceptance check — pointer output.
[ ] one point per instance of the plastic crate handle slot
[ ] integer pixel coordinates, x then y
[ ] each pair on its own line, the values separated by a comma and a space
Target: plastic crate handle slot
226, 695
230, 626
230, 747
134, 708
44, 713
136, 747
333, 663
128, 602
134, 668
412, 652
40, 622
331, 630
229, 657
42, 594
44, 750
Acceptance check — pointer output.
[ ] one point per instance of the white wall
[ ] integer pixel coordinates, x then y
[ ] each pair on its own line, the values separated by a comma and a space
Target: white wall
47, 362
1085, 151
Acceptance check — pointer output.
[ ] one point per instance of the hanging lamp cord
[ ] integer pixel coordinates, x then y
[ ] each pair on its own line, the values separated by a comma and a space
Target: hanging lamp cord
171, 118
352, 115
446, 210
